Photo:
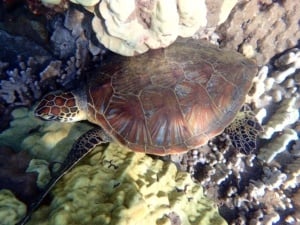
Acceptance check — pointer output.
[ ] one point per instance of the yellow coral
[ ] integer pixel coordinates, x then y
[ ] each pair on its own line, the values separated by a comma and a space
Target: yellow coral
117, 186
11, 209
45, 140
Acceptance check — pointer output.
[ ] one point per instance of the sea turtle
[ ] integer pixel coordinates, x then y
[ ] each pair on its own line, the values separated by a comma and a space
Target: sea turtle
162, 102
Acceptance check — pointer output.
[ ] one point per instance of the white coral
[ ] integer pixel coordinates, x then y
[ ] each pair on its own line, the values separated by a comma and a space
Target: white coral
278, 145
132, 27
286, 114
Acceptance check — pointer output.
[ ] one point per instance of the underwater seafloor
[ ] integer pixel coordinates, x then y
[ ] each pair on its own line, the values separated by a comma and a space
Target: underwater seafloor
45, 50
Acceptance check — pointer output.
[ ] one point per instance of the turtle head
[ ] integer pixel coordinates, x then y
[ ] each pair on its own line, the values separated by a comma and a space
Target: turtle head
63, 107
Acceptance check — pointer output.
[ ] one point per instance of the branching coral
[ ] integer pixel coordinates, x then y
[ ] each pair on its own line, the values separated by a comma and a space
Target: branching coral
24, 78
22, 86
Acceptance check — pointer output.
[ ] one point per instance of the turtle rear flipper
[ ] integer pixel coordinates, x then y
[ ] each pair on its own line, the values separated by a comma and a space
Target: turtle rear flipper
243, 131
85, 143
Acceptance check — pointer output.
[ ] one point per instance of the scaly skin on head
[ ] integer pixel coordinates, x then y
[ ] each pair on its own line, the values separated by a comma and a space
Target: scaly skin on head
63, 107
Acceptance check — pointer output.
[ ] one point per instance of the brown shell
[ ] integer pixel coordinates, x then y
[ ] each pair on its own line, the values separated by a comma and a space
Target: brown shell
169, 100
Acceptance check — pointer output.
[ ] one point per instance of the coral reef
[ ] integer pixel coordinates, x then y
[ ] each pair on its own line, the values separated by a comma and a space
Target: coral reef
42, 140
157, 190
132, 27
258, 186
22, 86
28, 70
11, 209
126, 188
39, 149
269, 27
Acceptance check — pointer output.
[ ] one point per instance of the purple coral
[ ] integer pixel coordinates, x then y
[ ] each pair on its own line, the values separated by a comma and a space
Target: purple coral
21, 85
28, 70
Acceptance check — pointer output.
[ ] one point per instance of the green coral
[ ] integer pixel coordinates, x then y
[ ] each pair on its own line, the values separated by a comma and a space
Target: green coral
44, 140
117, 186
11, 209
42, 168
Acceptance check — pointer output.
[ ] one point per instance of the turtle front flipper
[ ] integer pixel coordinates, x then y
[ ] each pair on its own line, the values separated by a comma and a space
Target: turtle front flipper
80, 149
243, 131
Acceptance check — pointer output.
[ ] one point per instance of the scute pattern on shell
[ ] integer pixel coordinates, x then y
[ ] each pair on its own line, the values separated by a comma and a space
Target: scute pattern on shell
169, 100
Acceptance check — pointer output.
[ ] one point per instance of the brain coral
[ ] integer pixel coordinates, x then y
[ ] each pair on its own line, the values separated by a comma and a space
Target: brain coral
118, 186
